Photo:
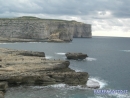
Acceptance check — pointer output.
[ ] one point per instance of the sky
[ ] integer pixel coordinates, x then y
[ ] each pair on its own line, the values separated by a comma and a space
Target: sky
108, 17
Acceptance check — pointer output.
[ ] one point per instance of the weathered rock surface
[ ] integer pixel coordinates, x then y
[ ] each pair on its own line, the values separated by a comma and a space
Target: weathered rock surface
25, 29
76, 56
33, 70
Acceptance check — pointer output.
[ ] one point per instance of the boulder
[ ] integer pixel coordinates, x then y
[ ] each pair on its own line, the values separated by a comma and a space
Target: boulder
93, 84
76, 56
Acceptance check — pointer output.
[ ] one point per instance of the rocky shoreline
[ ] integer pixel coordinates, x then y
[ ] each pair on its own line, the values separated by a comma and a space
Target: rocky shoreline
14, 40
32, 68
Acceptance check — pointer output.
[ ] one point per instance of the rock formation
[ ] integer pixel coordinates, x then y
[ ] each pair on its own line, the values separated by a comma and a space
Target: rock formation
30, 68
28, 28
76, 56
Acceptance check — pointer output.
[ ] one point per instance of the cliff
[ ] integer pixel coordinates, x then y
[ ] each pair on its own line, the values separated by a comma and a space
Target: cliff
27, 27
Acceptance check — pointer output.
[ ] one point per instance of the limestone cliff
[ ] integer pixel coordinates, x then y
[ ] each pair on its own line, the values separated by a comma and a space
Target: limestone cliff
35, 28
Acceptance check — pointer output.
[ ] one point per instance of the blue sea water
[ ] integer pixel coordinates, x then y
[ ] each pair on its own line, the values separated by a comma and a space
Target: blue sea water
108, 63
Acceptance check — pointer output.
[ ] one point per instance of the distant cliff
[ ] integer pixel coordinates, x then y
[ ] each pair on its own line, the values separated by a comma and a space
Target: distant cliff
27, 27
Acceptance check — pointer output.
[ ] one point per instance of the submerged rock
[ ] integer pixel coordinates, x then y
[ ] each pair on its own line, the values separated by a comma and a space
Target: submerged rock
76, 56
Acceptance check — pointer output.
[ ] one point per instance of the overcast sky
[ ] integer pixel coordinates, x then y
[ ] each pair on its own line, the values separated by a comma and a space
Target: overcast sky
108, 17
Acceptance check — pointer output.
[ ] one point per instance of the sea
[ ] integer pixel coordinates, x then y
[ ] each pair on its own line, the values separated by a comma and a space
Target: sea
108, 63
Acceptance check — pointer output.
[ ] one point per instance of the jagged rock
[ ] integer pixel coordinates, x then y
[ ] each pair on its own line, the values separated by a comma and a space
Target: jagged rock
3, 86
93, 84
76, 56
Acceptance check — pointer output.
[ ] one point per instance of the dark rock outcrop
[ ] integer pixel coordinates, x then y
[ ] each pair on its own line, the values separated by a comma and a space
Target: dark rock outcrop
76, 56
35, 29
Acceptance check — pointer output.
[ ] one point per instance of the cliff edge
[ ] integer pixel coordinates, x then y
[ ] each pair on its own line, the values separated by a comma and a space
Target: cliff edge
37, 29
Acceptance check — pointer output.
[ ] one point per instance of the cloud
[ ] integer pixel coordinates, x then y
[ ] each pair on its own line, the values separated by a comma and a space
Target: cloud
102, 14
95, 8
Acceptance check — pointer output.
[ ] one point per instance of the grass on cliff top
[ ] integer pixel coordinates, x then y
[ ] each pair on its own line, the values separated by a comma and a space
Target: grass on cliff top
36, 18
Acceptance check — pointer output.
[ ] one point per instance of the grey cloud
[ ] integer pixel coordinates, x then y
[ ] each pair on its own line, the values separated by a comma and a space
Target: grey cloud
86, 11
119, 8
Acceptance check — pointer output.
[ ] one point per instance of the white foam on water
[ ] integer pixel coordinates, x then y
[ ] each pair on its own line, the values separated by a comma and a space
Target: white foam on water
48, 57
60, 53
117, 95
90, 59
34, 42
125, 50
77, 70
113, 95
7, 43
58, 85
102, 82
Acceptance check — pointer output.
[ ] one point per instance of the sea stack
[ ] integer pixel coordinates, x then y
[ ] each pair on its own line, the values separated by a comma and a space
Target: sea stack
76, 56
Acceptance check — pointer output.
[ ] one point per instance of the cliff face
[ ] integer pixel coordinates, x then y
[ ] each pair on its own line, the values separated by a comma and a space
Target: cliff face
36, 28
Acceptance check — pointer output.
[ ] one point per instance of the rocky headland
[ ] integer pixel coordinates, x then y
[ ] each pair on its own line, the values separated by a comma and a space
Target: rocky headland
33, 29
32, 68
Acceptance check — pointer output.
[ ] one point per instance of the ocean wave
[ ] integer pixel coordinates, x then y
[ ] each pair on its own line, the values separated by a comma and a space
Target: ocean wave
60, 53
114, 95
125, 50
77, 70
102, 82
48, 57
6, 43
90, 59
117, 95
61, 86
34, 42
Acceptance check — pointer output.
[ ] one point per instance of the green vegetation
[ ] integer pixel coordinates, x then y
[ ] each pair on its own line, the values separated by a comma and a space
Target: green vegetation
36, 18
